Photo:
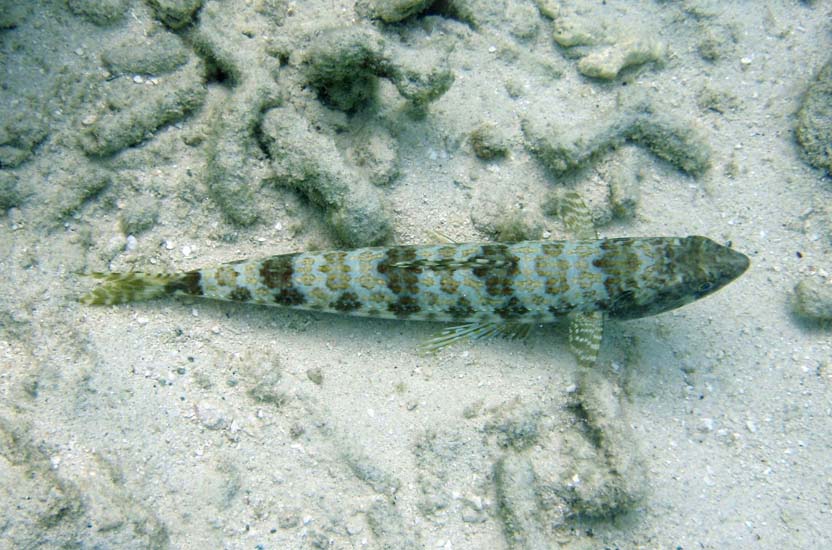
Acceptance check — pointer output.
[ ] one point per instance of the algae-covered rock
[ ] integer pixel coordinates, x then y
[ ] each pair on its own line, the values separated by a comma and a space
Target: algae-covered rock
100, 12
517, 503
564, 149
488, 141
477, 13
668, 138
813, 300
13, 13
344, 65
175, 13
157, 54
390, 11
606, 476
139, 214
608, 62
310, 162
814, 121
375, 154
236, 161
135, 112
233, 154
9, 190
21, 130
716, 42
69, 186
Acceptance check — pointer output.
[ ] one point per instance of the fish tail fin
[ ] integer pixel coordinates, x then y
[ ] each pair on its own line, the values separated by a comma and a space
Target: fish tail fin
121, 288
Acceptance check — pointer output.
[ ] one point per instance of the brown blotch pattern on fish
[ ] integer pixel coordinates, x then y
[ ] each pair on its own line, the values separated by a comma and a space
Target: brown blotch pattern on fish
240, 294
401, 270
621, 266
552, 267
405, 306
346, 302
497, 269
462, 309
512, 309
188, 283
289, 297
276, 272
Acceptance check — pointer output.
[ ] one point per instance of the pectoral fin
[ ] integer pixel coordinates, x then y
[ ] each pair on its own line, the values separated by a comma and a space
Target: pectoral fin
475, 331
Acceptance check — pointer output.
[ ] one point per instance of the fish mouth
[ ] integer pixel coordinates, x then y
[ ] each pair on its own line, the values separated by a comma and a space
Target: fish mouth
734, 263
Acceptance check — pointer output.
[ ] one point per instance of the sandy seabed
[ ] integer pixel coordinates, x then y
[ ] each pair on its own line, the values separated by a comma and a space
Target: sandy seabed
172, 135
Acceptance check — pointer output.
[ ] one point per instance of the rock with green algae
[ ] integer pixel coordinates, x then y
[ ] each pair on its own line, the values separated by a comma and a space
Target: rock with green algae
176, 14
68, 186
134, 111
344, 64
309, 161
13, 13
139, 214
488, 141
813, 300
236, 163
22, 129
158, 53
10, 194
606, 475
100, 12
814, 121
517, 503
565, 149
374, 153
390, 11
606, 63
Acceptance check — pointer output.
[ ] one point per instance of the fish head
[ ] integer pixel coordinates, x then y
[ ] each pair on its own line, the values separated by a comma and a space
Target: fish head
679, 271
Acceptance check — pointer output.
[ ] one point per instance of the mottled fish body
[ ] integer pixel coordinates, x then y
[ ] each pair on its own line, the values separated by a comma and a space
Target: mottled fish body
478, 283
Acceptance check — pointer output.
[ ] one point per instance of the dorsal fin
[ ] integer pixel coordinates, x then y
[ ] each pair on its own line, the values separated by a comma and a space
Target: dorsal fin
576, 215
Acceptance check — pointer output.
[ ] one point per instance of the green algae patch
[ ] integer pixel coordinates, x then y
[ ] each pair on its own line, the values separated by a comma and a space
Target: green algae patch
22, 129
517, 500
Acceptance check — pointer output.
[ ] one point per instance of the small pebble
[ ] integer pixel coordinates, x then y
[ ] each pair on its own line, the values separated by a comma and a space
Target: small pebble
210, 415
132, 243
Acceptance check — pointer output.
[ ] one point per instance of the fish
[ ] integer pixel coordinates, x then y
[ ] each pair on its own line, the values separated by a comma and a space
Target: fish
484, 289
